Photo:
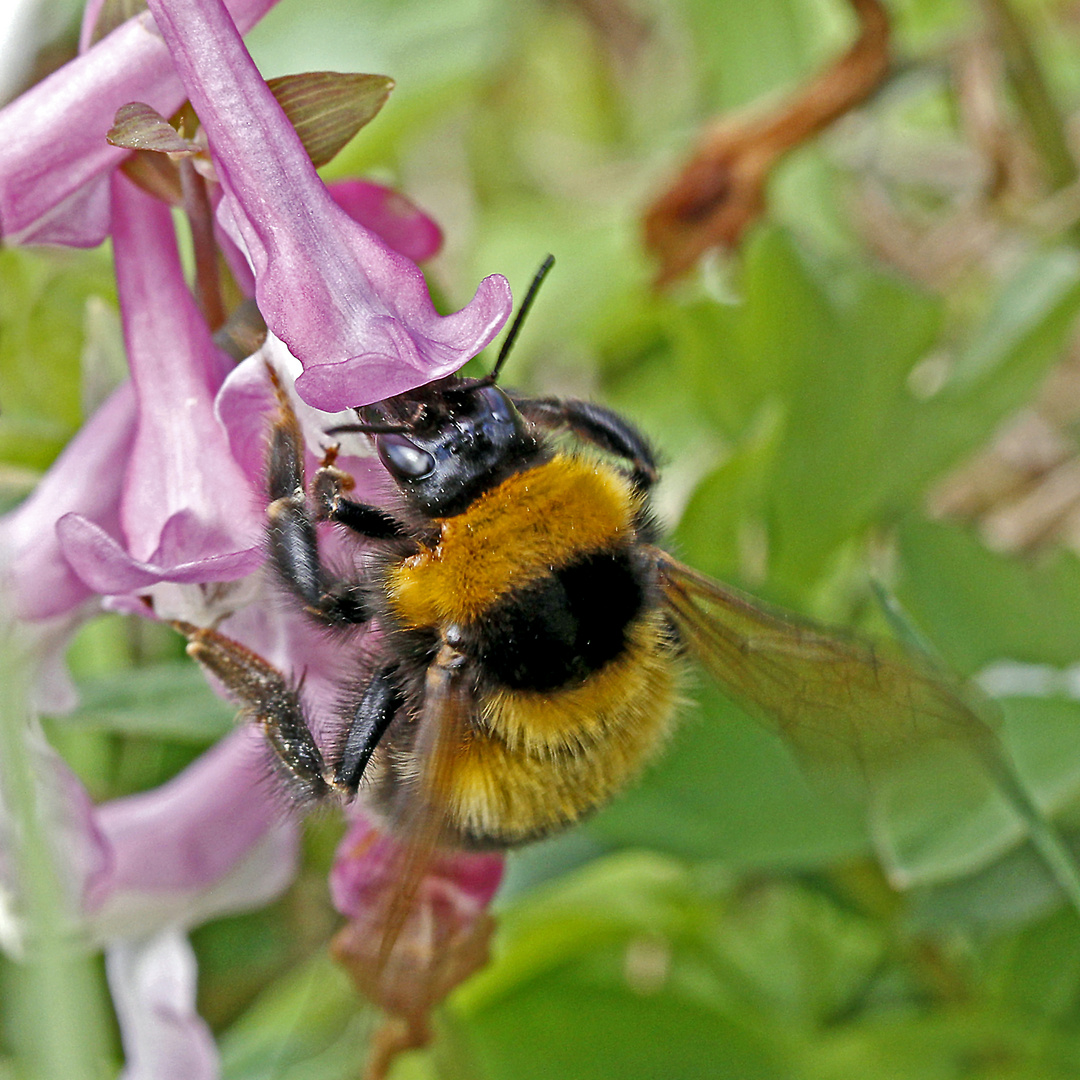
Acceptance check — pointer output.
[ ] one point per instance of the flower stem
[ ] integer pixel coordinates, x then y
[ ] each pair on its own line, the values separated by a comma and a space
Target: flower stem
58, 1013
1055, 853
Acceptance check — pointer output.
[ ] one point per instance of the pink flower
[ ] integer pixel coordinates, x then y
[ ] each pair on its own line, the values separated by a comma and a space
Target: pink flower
87, 479
153, 989
439, 940
54, 161
390, 216
157, 506
355, 313
186, 511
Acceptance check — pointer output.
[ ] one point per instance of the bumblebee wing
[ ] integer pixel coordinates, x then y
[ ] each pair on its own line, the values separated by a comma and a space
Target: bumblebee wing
837, 699
426, 928
421, 827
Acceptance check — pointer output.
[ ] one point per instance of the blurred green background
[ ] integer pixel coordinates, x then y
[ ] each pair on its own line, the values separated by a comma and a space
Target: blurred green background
880, 383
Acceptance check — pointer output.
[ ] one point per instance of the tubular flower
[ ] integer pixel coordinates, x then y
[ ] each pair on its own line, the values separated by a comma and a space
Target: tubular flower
442, 940
156, 508
354, 312
186, 512
54, 161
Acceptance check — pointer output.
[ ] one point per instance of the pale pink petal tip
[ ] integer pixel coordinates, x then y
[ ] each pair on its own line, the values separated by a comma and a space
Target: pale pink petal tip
153, 989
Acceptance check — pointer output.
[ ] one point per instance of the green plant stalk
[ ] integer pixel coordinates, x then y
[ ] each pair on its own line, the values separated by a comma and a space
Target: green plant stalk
1044, 119
1046, 839
1048, 842
57, 1013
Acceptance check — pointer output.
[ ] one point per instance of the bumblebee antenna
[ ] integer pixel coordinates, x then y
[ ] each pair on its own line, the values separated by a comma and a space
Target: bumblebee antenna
369, 429
515, 326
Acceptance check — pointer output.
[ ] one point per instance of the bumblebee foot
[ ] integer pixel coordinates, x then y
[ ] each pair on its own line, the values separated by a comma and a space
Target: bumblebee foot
329, 458
327, 488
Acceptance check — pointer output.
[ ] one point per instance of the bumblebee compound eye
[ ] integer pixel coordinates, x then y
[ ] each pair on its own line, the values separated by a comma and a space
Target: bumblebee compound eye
404, 458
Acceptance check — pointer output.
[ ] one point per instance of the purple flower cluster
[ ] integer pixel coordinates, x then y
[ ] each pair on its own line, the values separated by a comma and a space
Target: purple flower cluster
156, 506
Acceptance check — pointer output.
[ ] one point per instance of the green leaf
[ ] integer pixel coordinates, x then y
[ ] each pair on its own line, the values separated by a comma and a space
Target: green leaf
949, 819
942, 1043
728, 789
857, 444
43, 303
978, 607
307, 1025
1043, 738
1036, 969
328, 108
595, 1032
1032, 310
750, 50
594, 979
942, 817
166, 701
607, 900
833, 365
1015, 888
139, 127
734, 543
795, 953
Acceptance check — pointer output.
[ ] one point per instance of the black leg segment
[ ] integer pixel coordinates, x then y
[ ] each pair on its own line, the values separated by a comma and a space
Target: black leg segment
597, 425
372, 716
291, 534
360, 518
294, 553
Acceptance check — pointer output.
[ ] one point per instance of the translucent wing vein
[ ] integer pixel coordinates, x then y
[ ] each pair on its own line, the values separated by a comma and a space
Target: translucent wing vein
837, 699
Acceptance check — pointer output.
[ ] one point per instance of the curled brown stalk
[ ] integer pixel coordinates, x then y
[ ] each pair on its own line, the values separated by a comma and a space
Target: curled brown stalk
721, 189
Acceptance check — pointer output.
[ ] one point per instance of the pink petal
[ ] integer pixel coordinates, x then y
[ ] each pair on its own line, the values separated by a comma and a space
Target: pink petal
52, 692
185, 499
388, 214
173, 846
440, 940
220, 836
86, 479
87, 28
153, 989
54, 160
104, 566
328, 288
68, 823
361, 878
246, 406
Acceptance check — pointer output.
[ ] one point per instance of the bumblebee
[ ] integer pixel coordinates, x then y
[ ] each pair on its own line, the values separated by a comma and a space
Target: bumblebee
533, 634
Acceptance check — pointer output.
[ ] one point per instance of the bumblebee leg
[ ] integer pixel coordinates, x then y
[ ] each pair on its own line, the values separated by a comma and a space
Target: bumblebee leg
268, 700
377, 707
599, 426
368, 521
292, 540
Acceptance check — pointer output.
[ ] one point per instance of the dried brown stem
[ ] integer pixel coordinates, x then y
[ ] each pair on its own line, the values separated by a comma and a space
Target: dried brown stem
721, 190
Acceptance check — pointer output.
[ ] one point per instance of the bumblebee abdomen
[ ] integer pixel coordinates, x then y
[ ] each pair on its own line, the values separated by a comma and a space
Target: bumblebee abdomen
539, 761
542, 585
562, 627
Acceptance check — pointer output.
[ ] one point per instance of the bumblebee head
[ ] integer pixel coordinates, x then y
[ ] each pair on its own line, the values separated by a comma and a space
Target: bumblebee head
447, 442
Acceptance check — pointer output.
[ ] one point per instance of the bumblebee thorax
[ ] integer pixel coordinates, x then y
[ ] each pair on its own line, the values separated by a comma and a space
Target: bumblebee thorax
536, 520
